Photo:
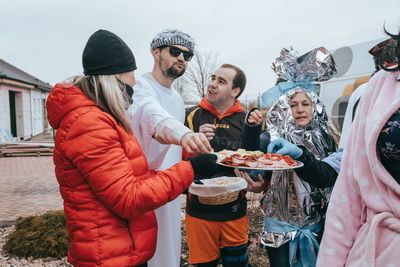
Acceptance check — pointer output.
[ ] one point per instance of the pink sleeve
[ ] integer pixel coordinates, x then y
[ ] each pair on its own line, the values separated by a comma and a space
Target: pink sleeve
345, 208
361, 180
342, 222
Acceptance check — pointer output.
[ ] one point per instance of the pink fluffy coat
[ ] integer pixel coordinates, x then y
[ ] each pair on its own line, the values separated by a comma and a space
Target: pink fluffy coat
363, 221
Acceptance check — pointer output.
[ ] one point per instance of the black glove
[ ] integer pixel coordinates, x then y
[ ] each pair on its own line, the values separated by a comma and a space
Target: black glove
205, 165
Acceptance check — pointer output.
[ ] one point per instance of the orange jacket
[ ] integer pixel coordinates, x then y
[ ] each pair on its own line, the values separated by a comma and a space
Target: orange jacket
109, 193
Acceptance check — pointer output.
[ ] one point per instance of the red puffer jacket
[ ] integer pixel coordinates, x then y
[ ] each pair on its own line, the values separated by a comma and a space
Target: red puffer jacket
109, 193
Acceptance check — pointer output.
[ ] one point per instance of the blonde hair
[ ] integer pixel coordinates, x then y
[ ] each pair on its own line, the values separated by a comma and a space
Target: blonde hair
107, 92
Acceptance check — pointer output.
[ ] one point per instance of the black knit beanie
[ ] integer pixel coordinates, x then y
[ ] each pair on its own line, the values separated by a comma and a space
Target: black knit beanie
105, 54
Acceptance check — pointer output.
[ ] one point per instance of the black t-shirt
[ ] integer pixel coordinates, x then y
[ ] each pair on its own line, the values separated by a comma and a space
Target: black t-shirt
227, 136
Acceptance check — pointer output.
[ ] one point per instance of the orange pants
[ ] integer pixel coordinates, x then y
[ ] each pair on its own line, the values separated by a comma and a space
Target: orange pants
206, 238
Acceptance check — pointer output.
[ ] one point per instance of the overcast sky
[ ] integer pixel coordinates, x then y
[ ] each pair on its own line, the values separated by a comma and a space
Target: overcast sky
46, 37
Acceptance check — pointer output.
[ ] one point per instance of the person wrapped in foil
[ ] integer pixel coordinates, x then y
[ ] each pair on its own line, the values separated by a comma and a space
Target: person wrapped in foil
294, 209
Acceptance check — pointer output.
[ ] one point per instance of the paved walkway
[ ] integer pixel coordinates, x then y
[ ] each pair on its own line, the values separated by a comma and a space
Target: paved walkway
27, 186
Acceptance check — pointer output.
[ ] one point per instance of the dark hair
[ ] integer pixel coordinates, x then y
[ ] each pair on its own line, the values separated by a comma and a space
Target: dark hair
397, 50
239, 80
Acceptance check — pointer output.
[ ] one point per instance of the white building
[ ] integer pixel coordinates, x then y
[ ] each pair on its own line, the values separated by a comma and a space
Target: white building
355, 65
22, 102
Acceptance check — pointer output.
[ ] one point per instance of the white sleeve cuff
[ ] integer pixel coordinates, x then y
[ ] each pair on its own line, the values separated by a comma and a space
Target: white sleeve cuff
170, 131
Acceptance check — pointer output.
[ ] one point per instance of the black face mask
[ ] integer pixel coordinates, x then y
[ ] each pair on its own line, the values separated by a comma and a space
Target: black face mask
128, 91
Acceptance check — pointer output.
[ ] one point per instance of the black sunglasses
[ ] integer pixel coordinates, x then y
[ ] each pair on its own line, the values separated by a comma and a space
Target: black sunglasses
175, 52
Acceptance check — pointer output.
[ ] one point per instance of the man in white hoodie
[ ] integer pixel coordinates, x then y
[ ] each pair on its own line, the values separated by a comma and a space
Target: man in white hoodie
157, 117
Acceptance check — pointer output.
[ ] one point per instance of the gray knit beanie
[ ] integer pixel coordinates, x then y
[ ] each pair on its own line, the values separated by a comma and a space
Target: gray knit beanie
172, 37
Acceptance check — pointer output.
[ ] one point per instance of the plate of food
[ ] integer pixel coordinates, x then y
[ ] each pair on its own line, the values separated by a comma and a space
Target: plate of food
256, 160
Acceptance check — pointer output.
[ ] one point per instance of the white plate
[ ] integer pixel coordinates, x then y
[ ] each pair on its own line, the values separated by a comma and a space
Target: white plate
299, 165
211, 189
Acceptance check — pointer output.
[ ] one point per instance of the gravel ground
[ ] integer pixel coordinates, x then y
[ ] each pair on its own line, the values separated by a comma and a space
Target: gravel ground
6, 261
257, 255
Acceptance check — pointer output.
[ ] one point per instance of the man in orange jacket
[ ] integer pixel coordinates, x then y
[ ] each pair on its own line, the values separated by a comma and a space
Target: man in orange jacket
219, 230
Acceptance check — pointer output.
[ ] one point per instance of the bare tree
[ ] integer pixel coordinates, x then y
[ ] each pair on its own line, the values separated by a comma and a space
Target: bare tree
252, 104
180, 85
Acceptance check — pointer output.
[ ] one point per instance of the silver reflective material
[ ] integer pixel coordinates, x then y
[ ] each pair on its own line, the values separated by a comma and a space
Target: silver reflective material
275, 240
289, 198
316, 65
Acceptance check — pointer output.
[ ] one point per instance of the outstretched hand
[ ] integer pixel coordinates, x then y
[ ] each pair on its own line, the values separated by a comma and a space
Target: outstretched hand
196, 143
283, 147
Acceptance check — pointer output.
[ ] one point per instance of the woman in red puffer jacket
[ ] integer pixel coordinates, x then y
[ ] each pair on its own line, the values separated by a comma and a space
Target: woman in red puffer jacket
109, 193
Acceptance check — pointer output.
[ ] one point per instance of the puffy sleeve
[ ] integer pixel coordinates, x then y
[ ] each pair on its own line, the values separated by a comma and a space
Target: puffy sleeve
94, 146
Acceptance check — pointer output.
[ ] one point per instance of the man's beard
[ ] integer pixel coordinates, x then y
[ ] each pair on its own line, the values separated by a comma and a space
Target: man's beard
173, 72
